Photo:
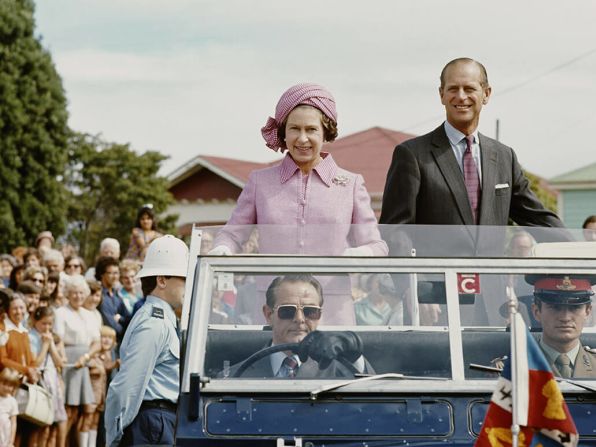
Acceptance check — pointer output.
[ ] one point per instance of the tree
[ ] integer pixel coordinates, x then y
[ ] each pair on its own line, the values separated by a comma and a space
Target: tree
545, 194
108, 182
33, 131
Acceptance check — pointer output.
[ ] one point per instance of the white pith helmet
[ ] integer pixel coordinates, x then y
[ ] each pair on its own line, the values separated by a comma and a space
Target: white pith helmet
166, 256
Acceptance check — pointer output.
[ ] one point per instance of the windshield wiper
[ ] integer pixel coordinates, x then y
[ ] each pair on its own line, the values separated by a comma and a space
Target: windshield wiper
365, 378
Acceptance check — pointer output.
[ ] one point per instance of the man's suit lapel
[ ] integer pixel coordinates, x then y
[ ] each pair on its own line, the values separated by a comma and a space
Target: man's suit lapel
445, 159
261, 368
489, 160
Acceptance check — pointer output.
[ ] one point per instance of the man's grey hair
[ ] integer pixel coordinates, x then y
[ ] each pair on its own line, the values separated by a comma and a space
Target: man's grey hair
53, 255
76, 282
109, 242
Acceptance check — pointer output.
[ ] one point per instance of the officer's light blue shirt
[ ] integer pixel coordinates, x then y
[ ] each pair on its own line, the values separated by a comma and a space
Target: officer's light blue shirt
150, 370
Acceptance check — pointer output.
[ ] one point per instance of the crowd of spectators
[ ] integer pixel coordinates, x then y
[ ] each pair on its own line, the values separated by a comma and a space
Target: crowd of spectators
60, 324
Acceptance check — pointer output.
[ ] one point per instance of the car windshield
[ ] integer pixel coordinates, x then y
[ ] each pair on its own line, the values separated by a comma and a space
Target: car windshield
436, 306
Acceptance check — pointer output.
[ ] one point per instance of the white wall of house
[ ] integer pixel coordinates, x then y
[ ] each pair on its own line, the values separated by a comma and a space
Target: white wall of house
201, 211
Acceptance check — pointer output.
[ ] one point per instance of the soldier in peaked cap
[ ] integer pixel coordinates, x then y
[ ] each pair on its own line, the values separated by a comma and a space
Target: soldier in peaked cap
562, 304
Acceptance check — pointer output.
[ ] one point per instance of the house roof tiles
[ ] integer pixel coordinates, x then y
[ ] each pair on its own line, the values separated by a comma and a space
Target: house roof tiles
368, 152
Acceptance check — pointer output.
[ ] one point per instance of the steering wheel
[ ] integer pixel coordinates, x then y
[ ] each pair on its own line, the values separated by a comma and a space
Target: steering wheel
265, 352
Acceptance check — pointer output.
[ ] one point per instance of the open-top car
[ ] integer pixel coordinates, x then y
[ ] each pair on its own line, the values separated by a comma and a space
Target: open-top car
418, 343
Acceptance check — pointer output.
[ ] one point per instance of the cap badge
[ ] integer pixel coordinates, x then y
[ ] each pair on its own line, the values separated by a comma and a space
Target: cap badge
340, 180
567, 284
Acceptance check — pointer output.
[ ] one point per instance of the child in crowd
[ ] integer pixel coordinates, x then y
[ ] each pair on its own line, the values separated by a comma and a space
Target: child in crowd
100, 367
93, 301
9, 380
50, 358
106, 355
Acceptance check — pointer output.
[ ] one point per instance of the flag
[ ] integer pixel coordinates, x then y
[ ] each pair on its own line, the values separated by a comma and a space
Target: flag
540, 409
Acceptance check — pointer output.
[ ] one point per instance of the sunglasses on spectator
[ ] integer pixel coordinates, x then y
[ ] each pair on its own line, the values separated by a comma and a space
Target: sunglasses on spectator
288, 311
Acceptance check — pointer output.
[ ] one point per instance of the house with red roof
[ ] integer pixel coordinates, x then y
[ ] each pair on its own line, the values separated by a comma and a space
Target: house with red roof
206, 188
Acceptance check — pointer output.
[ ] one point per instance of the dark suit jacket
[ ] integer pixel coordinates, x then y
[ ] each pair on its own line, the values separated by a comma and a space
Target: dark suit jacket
308, 370
425, 186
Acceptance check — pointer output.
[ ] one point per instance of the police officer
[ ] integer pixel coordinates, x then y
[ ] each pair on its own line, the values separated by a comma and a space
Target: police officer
142, 398
562, 304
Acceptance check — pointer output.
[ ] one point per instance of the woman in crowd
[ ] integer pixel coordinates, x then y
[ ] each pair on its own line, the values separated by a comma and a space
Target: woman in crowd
129, 292
380, 306
37, 275
7, 263
32, 258
77, 327
50, 358
16, 353
44, 241
31, 293
144, 232
97, 372
16, 276
53, 260
53, 291
74, 265
307, 194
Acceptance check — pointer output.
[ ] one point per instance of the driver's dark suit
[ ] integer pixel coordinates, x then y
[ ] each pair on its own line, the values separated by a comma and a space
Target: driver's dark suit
308, 370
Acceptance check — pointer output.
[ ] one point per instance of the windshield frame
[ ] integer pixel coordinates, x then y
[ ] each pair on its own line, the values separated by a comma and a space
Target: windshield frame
198, 310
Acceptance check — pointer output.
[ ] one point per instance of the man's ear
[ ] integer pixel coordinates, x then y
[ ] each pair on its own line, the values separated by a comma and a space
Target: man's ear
536, 312
487, 91
267, 312
161, 282
588, 310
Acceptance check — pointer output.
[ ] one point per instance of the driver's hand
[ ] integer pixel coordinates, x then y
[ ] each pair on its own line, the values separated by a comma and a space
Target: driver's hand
323, 347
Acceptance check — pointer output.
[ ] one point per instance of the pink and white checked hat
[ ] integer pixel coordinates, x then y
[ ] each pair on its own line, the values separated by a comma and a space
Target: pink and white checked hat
308, 94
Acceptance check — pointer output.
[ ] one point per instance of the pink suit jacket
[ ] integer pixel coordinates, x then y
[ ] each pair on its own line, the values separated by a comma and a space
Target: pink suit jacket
320, 214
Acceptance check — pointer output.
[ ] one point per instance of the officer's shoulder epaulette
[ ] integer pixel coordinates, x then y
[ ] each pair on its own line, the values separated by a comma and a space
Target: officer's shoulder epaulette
590, 350
157, 312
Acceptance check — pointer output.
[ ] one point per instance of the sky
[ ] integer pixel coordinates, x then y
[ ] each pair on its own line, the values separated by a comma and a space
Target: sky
200, 77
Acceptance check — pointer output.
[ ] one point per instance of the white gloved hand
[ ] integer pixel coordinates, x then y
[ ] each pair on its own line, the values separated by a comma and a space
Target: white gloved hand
220, 250
363, 250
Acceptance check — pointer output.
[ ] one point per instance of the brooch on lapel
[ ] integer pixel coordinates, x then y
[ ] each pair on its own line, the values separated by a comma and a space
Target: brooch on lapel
340, 180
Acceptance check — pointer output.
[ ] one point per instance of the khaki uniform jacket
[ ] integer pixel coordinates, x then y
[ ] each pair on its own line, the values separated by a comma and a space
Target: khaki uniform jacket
585, 364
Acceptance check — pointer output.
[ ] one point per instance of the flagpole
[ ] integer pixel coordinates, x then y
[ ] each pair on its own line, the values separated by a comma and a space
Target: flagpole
414, 308
515, 428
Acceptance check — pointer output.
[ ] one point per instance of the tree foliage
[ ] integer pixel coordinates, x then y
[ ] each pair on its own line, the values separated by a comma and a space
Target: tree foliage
547, 196
33, 131
108, 182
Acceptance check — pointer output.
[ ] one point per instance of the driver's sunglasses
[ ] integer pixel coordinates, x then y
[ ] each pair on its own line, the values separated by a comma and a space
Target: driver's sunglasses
288, 311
